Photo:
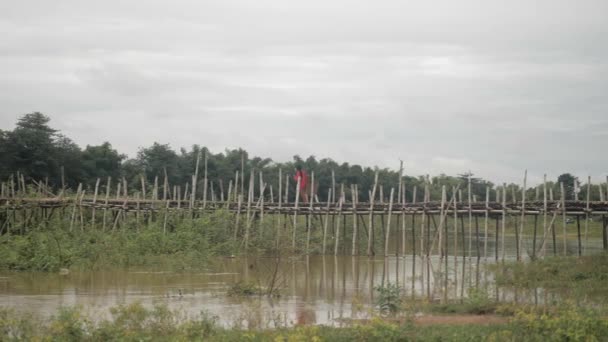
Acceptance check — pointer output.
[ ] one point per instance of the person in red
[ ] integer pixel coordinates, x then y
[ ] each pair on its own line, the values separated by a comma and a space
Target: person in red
303, 177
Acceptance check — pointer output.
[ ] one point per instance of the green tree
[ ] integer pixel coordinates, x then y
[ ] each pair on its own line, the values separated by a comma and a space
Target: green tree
30, 147
101, 161
569, 182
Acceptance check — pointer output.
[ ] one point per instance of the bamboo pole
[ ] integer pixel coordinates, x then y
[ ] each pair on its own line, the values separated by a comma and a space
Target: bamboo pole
563, 201
205, 181
310, 212
74, 207
337, 240
455, 241
504, 219
165, 184
155, 190
94, 203
587, 213
295, 214
105, 208
523, 217
143, 187
388, 222
485, 225
329, 198
278, 233
442, 217
544, 211
249, 200
355, 232
370, 238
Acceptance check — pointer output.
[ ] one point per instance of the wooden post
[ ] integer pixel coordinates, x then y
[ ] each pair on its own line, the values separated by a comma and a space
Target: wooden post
388, 222
125, 187
333, 186
370, 238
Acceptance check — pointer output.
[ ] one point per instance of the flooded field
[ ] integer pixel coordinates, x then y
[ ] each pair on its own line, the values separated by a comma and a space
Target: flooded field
313, 290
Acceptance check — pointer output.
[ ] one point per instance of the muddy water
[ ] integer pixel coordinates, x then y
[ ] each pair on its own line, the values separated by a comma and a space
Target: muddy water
314, 290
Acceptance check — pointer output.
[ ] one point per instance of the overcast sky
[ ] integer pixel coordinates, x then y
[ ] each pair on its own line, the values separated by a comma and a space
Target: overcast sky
447, 86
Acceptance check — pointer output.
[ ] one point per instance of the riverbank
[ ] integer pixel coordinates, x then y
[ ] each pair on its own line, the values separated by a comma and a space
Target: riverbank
138, 323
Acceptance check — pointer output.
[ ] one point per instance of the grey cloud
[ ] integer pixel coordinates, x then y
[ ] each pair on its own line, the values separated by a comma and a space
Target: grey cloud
495, 87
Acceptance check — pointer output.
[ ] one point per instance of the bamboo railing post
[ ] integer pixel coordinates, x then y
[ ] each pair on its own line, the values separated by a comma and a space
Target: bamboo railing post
310, 212
155, 189
326, 223
523, 217
76, 199
339, 214
587, 214
295, 214
94, 203
125, 187
205, 181
249, 201
118, 188
442, 211
165, 184
370, 237
354, 204
388, 222
105, 208
403, 226
563, 201
504, 219
143, 187
278, 230
470, 210
137, 207
262, 190
485, 225
545, 207
399, 200
455, 241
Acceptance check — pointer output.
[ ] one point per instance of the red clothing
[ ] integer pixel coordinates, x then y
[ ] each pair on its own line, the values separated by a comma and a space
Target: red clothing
303, 176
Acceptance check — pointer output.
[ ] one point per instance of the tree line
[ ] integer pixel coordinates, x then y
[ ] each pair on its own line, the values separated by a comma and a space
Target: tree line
39, 152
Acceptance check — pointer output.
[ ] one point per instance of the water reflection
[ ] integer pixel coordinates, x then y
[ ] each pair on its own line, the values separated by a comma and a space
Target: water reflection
314, 290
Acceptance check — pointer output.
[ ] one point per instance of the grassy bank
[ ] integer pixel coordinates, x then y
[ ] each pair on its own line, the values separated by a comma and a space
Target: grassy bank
137, 323
186, 244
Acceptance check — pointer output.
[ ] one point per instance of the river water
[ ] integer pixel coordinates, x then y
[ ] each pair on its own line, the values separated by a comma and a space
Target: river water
314, 290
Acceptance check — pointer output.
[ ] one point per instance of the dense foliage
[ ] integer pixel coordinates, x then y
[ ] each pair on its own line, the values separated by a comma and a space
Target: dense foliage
39, 152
